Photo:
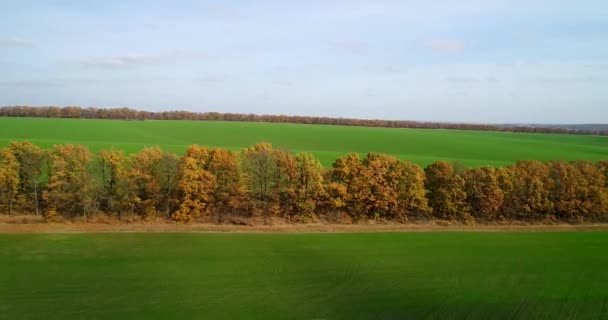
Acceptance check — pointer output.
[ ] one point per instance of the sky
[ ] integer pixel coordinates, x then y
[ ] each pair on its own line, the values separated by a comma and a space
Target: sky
490, 61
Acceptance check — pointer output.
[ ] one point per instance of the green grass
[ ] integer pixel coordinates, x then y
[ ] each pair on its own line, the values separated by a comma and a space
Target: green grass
304, 276
472, 148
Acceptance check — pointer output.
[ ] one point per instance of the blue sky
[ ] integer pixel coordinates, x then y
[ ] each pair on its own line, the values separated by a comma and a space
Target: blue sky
495, 61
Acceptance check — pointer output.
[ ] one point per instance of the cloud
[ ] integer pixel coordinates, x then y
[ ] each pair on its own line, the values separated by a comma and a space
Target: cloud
130, 60
284, 83
212, 79
467, 79
16, 43
351, 46
47, 83
121, 61
570, 79
369, 93
387, 69
52, 83
462, 79
444, 45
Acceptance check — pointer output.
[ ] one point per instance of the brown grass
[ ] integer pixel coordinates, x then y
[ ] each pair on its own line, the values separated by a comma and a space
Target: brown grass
99, 223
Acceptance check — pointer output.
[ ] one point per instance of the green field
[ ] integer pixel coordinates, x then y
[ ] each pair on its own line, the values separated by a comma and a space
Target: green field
304, 276
472, 148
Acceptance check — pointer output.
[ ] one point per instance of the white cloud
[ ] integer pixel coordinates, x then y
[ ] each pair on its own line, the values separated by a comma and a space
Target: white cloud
16, 42
444, 45
462, 79
212, 79
121, 61
129, 60
351, 46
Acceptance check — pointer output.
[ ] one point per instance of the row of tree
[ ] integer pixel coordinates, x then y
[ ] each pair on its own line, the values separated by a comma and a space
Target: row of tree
130, 114
261, 181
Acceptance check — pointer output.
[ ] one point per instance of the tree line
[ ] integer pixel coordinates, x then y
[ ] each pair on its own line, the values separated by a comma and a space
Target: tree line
70, 181
130, 114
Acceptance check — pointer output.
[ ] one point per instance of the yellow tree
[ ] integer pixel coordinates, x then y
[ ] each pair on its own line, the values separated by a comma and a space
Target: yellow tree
380, 185
529, 197
71, 188
348, 186
603, 167
195, 185
484, 195
259, 166
116, 196
285, 184
153, 177
591, 192
9, 181
309, 184
31, 161
228, 193
447, 196
411, 194
563, 186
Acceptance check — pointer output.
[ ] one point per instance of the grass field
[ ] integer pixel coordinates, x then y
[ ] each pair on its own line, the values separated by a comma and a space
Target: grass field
304, 276
472, 148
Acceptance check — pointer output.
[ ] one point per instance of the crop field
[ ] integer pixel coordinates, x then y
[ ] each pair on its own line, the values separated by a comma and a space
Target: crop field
422, 146
445, 275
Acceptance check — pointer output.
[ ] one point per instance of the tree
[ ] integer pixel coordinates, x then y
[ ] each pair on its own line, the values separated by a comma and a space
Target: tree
116, 196
31, 160
166, 173
259, 167
228, 193
195, 185
447, 196
9, 181
153, 178
529, 197
484, 195
603, 167
592, 194
380, 177
71, 187
309, 184
348, 188
563, 185
411, 193
286, 180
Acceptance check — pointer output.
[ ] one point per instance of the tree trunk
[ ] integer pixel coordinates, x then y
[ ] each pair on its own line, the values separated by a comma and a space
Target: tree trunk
36, 198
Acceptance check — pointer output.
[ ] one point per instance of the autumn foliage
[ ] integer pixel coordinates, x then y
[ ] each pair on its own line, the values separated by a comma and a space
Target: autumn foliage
262, 181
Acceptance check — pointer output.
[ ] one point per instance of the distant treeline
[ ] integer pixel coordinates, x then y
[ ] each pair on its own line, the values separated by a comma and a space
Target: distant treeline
70, 181
130, 114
